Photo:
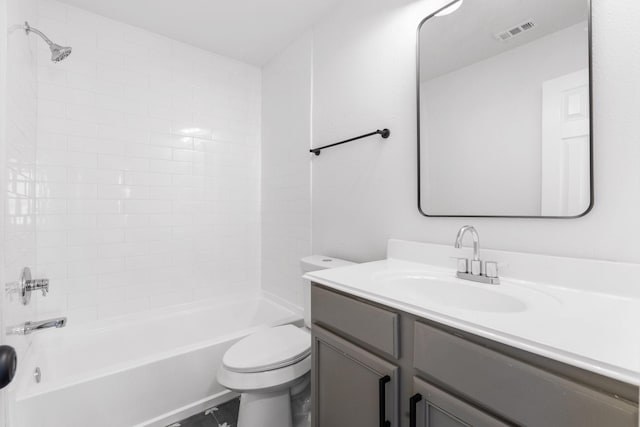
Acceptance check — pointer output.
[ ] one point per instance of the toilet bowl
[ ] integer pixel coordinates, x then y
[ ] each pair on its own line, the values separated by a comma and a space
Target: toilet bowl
271, 367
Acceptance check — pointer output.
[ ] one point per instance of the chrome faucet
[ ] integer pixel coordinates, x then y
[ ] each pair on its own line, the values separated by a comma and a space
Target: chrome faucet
28, 327
26, 285
476, 264
488, 274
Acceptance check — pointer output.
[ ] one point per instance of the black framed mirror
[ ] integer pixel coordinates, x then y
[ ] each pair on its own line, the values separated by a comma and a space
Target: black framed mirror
505, 109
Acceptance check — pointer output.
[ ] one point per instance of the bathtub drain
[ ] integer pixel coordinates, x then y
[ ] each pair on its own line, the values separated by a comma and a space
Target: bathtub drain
37, 374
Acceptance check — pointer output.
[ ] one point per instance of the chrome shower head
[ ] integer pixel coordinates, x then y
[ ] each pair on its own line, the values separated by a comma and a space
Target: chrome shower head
58, 53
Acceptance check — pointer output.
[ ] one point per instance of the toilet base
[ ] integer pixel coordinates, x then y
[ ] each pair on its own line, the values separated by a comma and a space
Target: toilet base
265, 409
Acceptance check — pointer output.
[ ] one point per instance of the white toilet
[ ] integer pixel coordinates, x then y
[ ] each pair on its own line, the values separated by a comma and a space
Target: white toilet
271, 367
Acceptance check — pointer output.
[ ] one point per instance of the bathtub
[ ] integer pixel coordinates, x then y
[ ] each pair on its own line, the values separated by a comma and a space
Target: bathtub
144, 370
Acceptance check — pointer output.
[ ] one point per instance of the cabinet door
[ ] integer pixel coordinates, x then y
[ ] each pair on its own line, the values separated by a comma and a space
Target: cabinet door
432, 407
351, 387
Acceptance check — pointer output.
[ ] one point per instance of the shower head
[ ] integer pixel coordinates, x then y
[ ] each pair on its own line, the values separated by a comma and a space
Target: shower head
58, 53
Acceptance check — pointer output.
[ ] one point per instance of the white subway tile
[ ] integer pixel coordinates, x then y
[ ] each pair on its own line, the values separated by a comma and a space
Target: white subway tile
113, 280
148, 234
151, 179
52, 109
110, 161
168, 140
123, 308
84, 299
127, 249
52, 141
146, 167
81, 315
170, 167
94, 206
79, 96
146, 206
122, 192
93, 237
53, 306
147, 151
51, 174
170, 298
51, 206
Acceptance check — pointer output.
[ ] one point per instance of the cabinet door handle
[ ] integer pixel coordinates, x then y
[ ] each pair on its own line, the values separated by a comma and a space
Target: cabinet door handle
413, 403
382, 403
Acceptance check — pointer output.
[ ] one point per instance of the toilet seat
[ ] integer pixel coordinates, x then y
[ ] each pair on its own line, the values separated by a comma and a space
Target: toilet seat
268, 350
266, 381
267, 360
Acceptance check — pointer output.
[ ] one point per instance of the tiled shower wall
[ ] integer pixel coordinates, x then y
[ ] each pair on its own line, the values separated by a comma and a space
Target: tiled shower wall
19, 154
148, 169
17, 159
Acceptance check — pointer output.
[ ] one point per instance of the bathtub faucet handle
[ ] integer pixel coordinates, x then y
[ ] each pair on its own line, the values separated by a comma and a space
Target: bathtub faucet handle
42, 284
26, 285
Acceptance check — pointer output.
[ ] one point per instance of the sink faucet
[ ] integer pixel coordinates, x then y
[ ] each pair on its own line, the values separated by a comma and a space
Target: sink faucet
488, 274
28, 327
476, 264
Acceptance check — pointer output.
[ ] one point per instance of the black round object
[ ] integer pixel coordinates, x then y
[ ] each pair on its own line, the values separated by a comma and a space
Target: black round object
8, 364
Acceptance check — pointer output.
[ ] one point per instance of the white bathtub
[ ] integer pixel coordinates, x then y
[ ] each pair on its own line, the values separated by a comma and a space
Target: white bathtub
143, 370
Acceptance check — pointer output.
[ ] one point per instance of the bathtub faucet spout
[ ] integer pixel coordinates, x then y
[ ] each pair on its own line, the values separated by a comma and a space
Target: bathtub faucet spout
28, 327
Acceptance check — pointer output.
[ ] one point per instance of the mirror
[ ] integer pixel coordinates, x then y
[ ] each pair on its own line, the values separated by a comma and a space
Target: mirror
504, 109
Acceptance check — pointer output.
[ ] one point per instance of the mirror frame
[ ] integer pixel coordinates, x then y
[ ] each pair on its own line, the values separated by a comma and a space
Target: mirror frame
591, 175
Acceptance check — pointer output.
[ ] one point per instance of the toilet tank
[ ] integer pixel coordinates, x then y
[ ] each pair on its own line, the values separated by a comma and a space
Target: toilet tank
315, 263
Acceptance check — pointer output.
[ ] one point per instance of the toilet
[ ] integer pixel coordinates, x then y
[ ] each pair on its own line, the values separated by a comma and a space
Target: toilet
270, 368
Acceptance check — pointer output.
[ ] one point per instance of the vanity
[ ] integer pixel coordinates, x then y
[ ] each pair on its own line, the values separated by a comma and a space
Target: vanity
401, 342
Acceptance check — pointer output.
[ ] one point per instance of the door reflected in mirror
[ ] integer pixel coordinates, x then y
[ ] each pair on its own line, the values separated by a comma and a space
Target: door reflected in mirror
504, 109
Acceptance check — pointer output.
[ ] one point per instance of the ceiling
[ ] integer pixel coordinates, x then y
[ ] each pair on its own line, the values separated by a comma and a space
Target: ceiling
251, 31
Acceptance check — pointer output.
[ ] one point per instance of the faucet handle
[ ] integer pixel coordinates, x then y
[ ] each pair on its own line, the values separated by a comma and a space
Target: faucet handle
491, 269
38, 284
43, 285
476, 267
462, 264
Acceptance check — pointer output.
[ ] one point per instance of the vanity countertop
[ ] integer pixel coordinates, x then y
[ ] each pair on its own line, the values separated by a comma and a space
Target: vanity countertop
590, 329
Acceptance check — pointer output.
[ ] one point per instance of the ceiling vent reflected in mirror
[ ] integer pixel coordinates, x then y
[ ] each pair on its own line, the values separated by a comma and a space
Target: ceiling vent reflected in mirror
515, 31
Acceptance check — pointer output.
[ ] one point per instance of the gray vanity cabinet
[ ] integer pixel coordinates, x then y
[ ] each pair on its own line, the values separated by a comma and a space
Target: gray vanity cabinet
374, 366
432, 407
351, 386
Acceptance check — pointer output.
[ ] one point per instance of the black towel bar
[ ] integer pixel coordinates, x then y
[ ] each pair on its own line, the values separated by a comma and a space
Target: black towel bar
384, 133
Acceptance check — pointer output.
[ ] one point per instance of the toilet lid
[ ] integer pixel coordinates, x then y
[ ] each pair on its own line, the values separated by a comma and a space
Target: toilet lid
268, 350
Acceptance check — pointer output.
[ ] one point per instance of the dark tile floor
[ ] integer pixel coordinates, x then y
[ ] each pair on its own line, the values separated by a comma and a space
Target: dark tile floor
226, 413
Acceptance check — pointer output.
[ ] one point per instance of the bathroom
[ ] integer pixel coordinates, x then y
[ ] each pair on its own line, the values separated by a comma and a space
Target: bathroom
163, 188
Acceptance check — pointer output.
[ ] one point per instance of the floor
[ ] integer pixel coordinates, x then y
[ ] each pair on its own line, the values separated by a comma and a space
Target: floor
226, 415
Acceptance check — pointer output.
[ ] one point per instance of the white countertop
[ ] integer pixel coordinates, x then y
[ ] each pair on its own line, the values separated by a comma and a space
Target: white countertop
589, 329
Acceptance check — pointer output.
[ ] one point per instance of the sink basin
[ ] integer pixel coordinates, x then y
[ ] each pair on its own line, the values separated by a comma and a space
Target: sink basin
426, 290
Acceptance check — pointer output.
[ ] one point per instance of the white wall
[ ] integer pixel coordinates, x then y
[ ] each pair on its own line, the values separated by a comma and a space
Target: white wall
17, 157
286, 170
483, 122
365, 192
148, 169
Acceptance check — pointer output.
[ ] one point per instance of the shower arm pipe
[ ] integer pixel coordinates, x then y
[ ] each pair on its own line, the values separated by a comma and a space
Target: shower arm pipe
28, 28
